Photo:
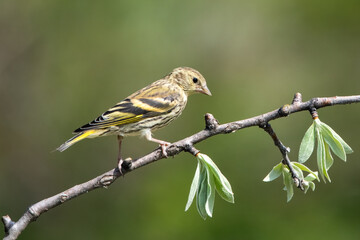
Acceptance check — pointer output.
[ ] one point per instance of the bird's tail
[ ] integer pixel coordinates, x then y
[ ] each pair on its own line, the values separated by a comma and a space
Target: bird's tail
74, 140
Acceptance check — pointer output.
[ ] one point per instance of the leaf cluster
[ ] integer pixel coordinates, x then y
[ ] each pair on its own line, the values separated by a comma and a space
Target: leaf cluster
282, 169
208, 179
328, 142
327, 139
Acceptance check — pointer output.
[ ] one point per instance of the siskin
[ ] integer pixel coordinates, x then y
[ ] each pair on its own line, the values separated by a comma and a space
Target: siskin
146, 110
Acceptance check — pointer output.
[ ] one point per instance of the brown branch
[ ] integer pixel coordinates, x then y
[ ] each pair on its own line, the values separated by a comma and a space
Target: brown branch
14, 229
284, 152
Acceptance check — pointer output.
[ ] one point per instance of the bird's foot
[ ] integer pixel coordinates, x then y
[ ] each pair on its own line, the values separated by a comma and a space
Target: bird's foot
120, 162
164, 145
124, 164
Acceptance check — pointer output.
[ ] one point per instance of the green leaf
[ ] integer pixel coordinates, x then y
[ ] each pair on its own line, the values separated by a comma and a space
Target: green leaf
274, 173
306, 169
306, 186
333, 142
307, 144
308, 182
223, 186
311, 177
209, 205
312, 186
288, 184
347, 148
298, 171
202, 194
194, 186
321, 158
328, 158
319, 155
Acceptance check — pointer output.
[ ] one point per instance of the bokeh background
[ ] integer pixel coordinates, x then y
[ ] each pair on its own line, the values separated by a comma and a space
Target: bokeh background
62, 63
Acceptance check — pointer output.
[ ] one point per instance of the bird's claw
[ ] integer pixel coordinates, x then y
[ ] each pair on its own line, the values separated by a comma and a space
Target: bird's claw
124, 164
120, 162
164, 147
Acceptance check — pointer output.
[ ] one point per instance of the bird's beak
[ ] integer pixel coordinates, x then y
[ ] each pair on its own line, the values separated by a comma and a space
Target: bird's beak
205, 90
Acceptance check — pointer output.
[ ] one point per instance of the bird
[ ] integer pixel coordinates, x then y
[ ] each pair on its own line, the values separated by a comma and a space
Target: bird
145, 111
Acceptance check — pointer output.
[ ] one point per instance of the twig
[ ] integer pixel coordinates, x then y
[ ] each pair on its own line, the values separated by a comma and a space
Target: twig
284, 152
14, 229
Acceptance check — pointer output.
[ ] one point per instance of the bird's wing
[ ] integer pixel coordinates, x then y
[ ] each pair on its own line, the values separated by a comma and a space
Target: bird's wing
148, 102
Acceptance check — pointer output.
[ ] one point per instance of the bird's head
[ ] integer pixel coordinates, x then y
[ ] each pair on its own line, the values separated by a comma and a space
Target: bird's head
190, 80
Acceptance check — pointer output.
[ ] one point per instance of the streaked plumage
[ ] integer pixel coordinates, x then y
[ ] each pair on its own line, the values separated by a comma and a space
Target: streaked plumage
148, 109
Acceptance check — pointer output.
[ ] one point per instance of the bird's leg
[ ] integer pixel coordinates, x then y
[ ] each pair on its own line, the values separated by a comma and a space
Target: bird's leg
163, 144
120, 160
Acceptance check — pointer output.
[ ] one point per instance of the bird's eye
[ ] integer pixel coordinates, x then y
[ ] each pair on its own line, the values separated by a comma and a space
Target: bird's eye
195, 80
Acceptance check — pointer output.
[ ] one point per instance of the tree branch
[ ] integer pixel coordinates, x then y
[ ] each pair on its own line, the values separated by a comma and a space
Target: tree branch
14, 229
284, 152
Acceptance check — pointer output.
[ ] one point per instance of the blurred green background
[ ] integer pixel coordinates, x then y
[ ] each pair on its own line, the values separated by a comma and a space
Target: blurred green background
62, 63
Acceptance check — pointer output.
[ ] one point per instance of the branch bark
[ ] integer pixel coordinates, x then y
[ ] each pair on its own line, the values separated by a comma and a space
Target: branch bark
14, 229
